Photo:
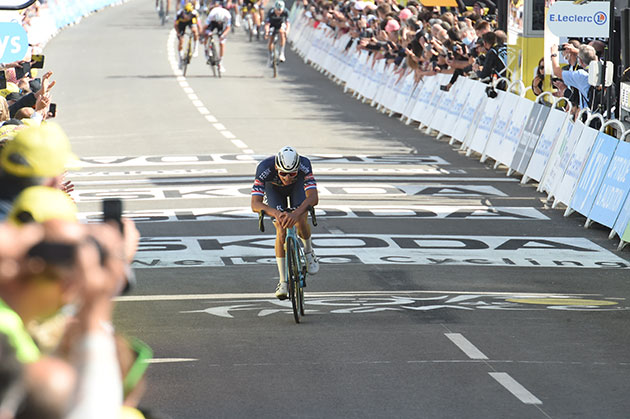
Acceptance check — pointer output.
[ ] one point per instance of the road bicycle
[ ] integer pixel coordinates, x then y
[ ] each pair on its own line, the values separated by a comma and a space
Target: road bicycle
188, 45
248, 23
212, 55
161, 12
295, 264
275, 51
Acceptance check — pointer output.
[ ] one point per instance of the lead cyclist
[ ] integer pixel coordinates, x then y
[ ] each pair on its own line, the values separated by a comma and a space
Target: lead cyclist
287, 174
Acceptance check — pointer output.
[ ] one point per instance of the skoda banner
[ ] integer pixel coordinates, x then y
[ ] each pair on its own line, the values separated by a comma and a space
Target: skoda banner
587, 20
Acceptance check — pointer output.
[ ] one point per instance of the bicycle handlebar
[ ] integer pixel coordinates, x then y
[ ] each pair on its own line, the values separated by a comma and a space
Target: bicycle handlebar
261, 216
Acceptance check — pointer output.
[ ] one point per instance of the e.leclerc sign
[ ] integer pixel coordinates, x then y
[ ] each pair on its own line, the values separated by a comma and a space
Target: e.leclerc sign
581, 20
13, 42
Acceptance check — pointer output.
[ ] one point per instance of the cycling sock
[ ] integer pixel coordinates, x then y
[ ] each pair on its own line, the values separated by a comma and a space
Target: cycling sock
282, 268
308, 245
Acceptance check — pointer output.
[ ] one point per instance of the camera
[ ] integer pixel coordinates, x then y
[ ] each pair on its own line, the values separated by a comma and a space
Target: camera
491, 92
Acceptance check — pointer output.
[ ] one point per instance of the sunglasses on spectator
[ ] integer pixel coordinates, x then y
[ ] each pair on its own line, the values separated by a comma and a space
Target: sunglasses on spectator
136, 372
289, 174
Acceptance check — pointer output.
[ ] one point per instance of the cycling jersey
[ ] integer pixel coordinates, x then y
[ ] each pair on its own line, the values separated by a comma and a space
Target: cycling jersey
276, 21
219, 15
185, 19
269, 185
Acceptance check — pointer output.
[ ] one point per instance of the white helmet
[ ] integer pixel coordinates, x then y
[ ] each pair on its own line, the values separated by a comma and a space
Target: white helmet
279, 5
287, 159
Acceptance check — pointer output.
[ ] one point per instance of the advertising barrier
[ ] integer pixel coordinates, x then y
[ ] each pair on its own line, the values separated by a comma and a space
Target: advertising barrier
576, 165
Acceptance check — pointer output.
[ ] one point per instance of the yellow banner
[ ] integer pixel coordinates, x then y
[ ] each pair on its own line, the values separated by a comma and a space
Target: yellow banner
440, 3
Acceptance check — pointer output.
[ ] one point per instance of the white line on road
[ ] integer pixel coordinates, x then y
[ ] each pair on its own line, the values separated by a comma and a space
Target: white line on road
170, 360
232, 296
239, 143
173, 59
515, 388
465, 345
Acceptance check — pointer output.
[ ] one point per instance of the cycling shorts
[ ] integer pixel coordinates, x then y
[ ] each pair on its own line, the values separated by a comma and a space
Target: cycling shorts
181, 28
277, 196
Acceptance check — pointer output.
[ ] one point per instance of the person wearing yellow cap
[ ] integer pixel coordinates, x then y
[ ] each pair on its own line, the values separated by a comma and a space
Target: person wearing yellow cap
35, 156
40, 204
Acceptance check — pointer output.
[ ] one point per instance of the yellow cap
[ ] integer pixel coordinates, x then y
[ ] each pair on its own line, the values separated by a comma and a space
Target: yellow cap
11, 88
189, 7
42, 151
40, 204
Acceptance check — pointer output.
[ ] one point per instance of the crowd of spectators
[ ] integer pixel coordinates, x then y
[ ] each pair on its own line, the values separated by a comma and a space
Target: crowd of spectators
460, 41
60, 354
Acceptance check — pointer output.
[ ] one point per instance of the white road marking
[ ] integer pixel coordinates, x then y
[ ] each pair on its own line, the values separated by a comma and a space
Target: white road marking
173, 59
464, 344
266, 296
239, 143
170, 360
515, 388
219, 127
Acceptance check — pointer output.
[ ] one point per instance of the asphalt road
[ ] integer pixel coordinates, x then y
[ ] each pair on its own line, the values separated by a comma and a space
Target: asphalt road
446, 289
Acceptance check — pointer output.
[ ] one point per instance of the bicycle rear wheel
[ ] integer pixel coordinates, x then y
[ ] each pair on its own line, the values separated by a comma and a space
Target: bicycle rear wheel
162, 13
274, 59
293, 276
215, 61
188, 55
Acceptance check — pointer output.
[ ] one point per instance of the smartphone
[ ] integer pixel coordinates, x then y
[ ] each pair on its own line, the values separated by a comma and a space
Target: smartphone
52, 110
37, 61
3, 80
112, 211
23, 71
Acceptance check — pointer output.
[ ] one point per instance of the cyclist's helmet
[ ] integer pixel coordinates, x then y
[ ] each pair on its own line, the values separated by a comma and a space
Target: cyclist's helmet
279, 5
287, 160
189, 7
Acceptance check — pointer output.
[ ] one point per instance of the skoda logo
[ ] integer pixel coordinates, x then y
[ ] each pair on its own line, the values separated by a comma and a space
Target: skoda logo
600, 18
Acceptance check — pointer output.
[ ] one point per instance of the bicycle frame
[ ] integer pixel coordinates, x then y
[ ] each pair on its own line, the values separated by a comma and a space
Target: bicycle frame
295, 261
212, 54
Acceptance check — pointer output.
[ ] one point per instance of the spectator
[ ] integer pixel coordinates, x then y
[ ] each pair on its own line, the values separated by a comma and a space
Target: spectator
495, 63
36, 156
575, 78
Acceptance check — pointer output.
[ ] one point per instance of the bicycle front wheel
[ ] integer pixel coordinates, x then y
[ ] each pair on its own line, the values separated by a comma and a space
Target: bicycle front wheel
293, 276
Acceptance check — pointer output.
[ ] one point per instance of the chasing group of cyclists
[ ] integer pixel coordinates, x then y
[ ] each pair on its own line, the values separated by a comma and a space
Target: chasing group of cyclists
219, 20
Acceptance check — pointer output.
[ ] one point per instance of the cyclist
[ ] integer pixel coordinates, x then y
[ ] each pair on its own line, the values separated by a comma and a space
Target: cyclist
254, 7
219, 19
187, 16
278, 19
287, 174
168, 7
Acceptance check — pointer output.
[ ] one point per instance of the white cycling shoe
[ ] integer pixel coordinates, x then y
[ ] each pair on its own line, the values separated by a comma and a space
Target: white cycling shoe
282, 291
312, 264
282, 58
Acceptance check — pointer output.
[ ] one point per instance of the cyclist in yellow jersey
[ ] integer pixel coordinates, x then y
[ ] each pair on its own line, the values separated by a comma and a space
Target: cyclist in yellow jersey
187, 16
255, 7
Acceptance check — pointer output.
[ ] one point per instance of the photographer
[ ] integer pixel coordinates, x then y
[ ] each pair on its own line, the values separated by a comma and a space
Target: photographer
495, 63
575, 78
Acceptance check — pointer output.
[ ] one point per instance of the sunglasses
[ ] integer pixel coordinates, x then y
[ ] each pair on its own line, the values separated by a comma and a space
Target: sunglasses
143, 354
288, 174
